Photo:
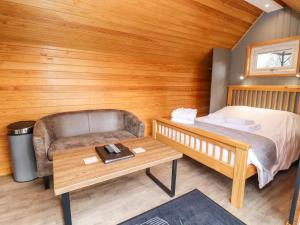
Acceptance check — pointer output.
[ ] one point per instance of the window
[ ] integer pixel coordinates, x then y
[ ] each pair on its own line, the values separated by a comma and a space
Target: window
274, 58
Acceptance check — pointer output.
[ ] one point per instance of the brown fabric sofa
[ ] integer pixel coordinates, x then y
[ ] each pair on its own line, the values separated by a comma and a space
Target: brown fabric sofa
82, 128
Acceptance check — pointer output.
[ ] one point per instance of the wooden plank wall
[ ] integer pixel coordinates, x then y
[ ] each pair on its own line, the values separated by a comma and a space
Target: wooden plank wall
145, 56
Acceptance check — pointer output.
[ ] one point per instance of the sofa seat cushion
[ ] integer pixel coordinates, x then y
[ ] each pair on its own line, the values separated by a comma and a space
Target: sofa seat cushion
92, 139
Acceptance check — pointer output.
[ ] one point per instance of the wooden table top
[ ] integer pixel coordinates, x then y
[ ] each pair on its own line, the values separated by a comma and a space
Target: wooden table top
71, 173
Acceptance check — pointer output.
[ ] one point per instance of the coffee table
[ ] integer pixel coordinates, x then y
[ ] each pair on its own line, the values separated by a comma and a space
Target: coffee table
70, 173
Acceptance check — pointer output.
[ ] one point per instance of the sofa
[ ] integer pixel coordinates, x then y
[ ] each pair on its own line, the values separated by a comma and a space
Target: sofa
69, 130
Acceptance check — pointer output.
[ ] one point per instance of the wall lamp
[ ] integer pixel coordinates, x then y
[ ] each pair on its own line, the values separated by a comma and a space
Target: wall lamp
242, 76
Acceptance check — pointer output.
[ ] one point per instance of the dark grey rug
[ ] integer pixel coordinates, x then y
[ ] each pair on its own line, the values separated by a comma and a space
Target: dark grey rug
193, 208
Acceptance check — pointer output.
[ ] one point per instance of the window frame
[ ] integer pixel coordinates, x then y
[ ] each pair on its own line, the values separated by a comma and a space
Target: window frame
254, 50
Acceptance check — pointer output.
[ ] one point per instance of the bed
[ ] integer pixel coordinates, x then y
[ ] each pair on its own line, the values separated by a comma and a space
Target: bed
222, 153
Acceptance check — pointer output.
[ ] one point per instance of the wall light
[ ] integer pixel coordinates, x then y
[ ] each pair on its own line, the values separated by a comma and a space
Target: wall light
266, 5
298, 75
242, 77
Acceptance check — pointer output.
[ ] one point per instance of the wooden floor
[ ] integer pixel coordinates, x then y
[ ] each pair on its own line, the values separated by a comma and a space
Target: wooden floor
118, 200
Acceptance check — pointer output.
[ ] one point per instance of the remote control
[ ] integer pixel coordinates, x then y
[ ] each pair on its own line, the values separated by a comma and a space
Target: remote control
115, 148
111, 148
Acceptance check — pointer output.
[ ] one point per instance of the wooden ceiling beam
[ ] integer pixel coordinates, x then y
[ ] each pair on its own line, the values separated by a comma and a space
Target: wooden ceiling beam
280, 2
294, 4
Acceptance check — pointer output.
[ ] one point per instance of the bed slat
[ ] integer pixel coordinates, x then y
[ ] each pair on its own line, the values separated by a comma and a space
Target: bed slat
270, 99
287, 101
293, 102
260, 99
275, 103
255, 98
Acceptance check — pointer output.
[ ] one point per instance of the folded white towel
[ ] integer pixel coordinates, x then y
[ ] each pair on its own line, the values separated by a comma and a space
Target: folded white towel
233, 120
217, 119
247, 128
223, 123
239, 121
185, 121
207, 119
185, 113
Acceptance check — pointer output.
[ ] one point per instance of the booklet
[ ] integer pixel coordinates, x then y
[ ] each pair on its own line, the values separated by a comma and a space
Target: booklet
107, 157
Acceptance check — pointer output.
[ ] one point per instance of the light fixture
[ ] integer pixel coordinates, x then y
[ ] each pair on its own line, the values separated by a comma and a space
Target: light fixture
266, 5
242, 77
298, 75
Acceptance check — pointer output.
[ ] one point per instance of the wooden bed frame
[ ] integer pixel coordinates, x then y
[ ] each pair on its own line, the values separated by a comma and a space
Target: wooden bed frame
183, 138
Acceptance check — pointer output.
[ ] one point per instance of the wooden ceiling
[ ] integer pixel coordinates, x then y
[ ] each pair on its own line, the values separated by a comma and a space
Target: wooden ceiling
94, 24
294, 4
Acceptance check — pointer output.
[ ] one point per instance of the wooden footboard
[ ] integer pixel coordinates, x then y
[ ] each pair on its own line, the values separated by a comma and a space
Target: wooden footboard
225, 155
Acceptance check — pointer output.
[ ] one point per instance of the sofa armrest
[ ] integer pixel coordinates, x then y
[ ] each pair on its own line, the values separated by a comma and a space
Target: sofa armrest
134, 125
41, 142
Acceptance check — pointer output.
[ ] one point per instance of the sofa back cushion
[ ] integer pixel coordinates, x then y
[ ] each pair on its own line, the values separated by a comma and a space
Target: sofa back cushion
71, 124
106, 120
68, 124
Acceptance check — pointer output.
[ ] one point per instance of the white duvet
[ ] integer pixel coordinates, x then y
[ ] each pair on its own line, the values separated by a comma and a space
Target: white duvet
283, 128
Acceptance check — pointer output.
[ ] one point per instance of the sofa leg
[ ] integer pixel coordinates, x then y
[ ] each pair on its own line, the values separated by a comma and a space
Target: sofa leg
46, 182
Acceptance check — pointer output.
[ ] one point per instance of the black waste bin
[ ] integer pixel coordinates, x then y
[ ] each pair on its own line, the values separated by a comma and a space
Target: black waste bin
21, 148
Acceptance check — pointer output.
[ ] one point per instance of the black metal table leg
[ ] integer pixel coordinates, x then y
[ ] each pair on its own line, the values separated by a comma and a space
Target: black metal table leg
65, 199
46, 182
295, 197
170, 192
174, 174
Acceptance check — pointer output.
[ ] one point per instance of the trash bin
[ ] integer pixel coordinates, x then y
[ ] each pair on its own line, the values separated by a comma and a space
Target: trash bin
21, 148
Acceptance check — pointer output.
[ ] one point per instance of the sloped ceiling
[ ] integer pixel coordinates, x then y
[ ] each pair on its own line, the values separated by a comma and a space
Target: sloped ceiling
128, 24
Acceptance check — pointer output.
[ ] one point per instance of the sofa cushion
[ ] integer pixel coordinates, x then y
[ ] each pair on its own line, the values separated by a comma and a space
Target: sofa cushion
68, 124
106, 120
92, 139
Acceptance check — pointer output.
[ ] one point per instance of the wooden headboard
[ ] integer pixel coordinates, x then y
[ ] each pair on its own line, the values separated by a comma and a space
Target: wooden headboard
285, 98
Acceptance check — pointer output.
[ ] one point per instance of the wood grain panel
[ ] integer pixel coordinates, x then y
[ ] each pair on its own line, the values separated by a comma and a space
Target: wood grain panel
294, 4
148, 57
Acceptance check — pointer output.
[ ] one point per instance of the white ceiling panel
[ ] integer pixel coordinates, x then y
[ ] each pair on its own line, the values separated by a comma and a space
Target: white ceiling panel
265, 5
